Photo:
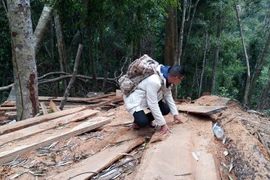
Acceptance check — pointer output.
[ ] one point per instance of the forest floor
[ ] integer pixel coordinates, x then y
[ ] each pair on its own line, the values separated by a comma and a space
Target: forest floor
191, 151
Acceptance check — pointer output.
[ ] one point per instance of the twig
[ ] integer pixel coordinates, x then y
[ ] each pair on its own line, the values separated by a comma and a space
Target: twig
185, 174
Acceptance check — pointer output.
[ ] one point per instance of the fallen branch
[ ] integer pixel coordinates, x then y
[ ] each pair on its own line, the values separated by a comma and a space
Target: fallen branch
78, 56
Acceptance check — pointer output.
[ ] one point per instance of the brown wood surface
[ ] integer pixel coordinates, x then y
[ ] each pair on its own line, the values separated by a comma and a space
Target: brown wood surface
36, 120
34, 143
74, 99
99, 161
44, 108
32, 130
205, 110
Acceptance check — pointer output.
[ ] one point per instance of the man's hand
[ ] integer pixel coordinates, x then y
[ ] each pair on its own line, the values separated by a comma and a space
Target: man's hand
177, 119
163, 130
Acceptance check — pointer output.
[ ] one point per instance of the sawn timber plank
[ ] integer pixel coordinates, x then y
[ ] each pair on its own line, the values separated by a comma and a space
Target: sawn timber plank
8, 155
36, 120
205, 110
35, 129
99, 161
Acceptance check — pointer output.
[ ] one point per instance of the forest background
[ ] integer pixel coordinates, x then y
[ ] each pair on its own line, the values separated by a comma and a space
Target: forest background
223, 45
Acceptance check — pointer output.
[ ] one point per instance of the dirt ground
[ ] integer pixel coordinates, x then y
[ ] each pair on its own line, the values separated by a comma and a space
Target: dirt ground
241, 155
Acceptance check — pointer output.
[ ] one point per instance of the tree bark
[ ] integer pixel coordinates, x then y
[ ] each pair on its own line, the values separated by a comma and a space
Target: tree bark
259, 68
204, 60
60, 42
190, 25
264, 95
171, 47
181, 35
23, 58
41, 27
61, 45
103, 56
75, 70
216, 56
90, 38
245, 99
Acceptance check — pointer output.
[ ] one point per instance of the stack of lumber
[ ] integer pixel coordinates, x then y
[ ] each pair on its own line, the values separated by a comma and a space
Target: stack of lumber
48, 104
24, 136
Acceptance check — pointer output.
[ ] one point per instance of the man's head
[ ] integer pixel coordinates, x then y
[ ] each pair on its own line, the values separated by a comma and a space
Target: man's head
176, 74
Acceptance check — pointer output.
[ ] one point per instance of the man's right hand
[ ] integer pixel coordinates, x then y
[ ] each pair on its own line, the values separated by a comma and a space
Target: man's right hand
163, 130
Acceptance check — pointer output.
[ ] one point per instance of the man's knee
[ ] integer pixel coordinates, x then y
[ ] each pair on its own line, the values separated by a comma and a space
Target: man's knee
140, 119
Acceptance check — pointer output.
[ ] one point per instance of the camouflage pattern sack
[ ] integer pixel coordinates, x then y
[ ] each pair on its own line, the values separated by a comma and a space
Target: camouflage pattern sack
137, 71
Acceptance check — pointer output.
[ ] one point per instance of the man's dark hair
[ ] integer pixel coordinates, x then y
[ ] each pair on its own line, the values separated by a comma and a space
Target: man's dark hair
177, 70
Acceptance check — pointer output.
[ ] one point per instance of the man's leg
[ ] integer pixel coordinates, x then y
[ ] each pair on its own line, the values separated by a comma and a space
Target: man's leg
164, 108
140, 119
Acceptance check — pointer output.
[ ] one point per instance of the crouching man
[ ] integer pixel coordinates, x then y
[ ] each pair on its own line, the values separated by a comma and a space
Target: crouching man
154, 93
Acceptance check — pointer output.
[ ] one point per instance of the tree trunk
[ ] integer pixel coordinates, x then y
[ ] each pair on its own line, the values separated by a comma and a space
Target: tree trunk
181, 35
23, 58
170, 52
264, 95
216, 56
61, 45
245, 99
41, 27
103, 56
90, 38
190, 26
258, 70
171, 46
204, 60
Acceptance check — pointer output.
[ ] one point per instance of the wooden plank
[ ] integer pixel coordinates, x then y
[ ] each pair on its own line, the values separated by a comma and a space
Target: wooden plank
44, 108
206, 110
172, 157
99, 161
53, 106
9, 155
8, 103
8, 108
74, 99
36, 120
32, 130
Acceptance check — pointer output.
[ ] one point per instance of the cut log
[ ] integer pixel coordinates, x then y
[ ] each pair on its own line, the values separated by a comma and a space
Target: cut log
8, 155
99, 161
36, 120
205, 110
32, 130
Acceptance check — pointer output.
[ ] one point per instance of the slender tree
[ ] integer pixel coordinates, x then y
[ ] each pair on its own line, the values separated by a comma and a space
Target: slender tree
181, 33
245, 99
171, 46
259, 68
217, 49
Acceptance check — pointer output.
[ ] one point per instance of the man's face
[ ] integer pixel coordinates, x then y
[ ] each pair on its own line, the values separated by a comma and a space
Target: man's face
177, 80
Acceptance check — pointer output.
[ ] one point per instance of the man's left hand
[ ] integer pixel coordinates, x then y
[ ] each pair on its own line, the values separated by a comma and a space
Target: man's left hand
177, 119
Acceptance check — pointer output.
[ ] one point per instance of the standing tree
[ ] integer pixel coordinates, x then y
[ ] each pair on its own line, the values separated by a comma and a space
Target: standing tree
23, 58
245, 99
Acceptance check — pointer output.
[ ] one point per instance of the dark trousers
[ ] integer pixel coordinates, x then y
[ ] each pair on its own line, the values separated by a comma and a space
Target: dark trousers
142, 119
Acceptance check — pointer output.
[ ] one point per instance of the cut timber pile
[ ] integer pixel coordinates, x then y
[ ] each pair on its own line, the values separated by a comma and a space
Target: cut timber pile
116, 151
24, 136
48, 104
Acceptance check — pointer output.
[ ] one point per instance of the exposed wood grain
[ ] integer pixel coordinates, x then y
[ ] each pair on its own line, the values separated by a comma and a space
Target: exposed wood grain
36, 120
8, 155
32, 130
